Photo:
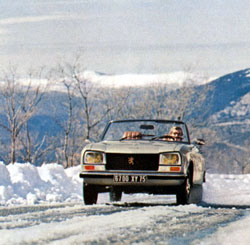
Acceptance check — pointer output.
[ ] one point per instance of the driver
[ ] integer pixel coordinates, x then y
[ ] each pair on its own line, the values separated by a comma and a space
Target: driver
175, 134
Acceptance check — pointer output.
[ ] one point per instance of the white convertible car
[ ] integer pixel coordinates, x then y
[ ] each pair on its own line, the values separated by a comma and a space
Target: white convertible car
143, 156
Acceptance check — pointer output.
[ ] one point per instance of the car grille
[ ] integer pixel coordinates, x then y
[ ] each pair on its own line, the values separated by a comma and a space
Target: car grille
132, 161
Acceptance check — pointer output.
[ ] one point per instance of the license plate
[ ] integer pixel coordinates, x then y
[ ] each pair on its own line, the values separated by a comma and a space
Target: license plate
130, 178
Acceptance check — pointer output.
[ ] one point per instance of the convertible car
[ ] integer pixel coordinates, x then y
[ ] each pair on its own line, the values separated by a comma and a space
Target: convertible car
143, 156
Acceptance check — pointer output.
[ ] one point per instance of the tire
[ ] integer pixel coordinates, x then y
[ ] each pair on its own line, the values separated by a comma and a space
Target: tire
196, 194
90, 194
204, 177
182, 196
115, 196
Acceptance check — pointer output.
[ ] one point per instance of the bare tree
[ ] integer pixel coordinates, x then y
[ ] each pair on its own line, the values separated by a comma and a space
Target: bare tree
65, 152
19, 103
67, 126
34, 148
88, 107
96, 103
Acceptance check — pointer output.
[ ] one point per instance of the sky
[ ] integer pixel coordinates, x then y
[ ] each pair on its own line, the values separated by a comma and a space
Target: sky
127, 36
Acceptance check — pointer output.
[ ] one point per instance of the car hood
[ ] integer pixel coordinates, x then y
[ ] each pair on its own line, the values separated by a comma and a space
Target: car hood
137, 147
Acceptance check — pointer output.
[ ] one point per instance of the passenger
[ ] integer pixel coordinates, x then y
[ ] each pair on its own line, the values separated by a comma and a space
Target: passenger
132, 135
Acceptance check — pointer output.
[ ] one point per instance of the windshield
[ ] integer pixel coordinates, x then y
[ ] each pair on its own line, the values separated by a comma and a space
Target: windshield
146, 130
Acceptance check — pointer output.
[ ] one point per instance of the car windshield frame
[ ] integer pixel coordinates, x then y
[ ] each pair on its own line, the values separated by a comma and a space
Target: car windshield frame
147, 124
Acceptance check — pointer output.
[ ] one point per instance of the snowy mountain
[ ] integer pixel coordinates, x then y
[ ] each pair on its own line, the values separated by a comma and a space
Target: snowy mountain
227, 113
175, 79
229, 98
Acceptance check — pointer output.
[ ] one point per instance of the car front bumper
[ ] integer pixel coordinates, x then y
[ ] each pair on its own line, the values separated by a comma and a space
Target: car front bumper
107, 178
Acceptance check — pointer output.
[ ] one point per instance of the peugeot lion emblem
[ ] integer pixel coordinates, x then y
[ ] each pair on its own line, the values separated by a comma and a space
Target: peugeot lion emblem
131, 161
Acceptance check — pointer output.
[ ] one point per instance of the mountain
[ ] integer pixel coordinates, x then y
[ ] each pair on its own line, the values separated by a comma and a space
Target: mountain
226, 110
229, 97
174, 79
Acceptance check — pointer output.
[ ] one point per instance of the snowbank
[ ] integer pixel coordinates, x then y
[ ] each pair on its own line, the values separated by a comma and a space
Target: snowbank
27, 184
227, 189
22, 184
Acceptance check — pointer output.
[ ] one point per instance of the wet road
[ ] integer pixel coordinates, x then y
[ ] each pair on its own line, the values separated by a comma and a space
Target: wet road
117, 223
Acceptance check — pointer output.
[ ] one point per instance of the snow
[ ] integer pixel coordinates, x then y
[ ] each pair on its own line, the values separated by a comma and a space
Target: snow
236, 110
227, 189
174, 79
26, 184
107, 226
242, 122
23, 184
178, 78
81, 229
235, 233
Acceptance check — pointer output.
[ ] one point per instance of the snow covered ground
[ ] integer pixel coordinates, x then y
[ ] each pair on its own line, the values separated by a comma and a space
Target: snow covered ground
23, 184
235, 233
50, 184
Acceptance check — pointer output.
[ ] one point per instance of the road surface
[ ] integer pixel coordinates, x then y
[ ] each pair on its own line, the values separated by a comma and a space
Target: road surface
149, 221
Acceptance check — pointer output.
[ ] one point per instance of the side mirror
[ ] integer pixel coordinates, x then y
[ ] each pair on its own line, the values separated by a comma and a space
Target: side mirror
87, 141
199, 142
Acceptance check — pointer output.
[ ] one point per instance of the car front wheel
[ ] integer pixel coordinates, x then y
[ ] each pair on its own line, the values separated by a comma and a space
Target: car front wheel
90, 194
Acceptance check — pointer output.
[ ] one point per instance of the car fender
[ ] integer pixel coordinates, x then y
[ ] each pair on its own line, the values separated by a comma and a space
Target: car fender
195, 158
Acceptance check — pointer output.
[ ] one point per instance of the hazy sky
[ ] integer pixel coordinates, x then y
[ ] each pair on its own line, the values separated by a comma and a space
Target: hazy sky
127, 36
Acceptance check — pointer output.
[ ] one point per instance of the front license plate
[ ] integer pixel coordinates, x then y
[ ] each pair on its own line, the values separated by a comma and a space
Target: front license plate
130, 178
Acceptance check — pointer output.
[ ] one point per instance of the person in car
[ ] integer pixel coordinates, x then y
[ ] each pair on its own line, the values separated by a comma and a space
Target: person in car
175, 134
132, 135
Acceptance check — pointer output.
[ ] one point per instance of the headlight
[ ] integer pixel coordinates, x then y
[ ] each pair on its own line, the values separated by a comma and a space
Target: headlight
170, 159
94, 157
